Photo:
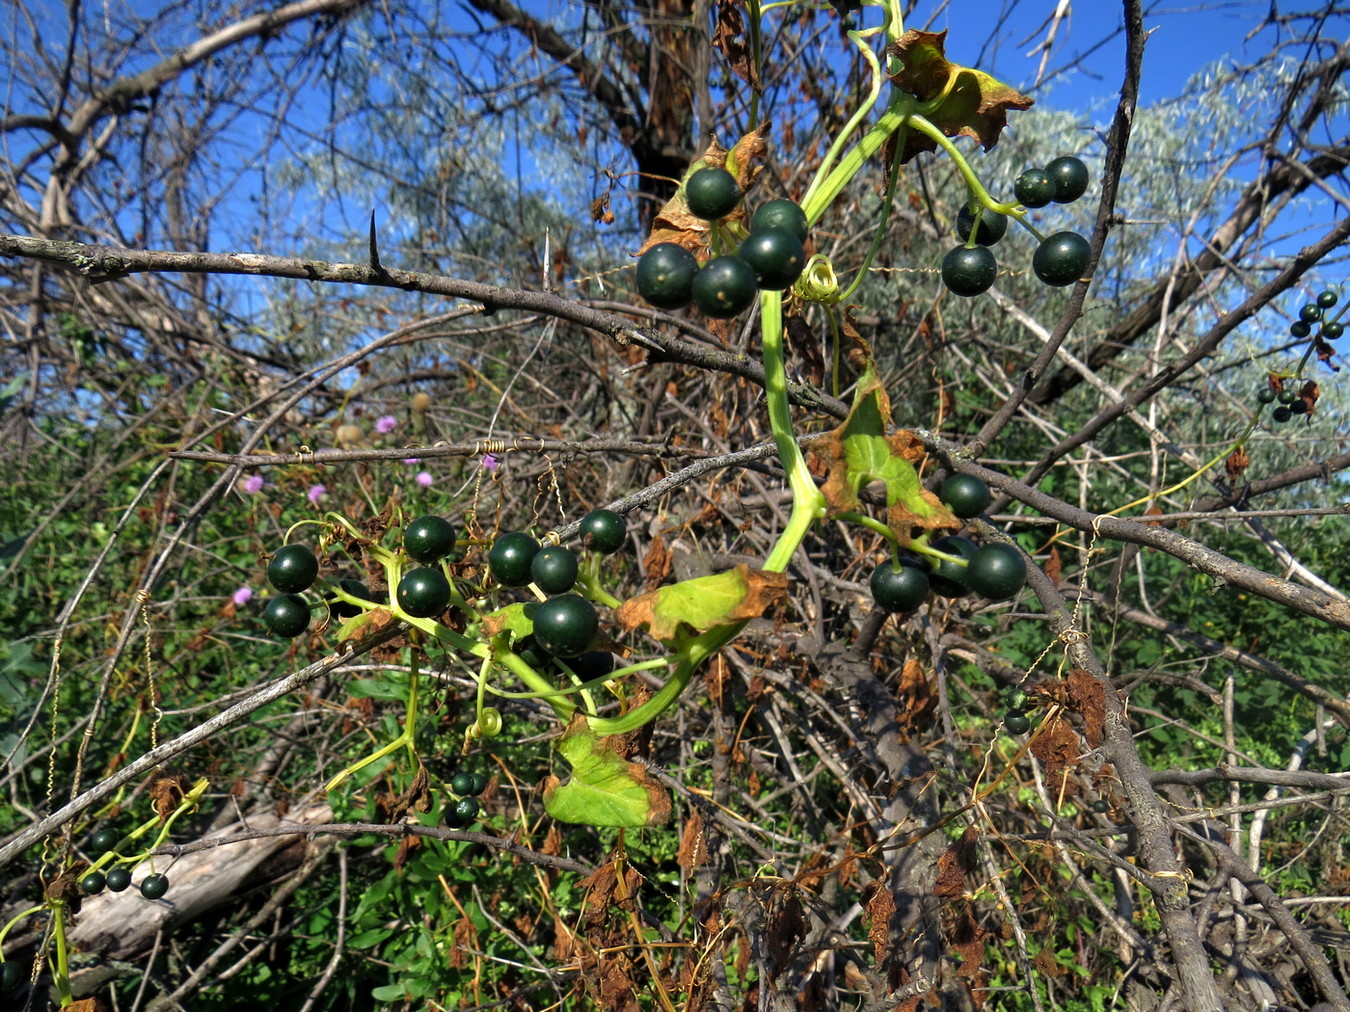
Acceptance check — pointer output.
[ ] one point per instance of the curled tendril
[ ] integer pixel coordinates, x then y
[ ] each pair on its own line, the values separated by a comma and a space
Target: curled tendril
818, 282
488, 724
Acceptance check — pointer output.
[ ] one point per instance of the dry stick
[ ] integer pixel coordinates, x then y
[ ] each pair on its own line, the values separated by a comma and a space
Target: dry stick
273, 904
1117, 143
1166, 879
1313, 960
1307, 600
468, 448
139, 767
109, 262
399, 829
339, 943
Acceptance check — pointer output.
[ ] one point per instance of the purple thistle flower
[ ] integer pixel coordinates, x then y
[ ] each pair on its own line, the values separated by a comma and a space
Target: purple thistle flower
242, 596
424, 478
491, 463
315, 493
252, 484
385, 424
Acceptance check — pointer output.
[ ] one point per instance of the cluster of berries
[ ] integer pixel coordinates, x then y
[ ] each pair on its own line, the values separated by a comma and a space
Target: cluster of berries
565, 623
118, 877
1300, 401
952, 566
770, 258
466, 787
1060, 259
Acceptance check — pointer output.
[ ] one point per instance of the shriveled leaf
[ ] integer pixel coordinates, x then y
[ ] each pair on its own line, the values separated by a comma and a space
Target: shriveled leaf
1056, 744
966, 939
692, 853
1087, 697
676, 223
860, 452
880, 906
786, 926
604, 789
955, 863
730, 39
704, 602
969, 102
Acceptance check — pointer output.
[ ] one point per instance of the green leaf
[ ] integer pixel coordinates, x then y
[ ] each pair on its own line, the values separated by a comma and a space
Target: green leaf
703, 602
369, 939
860, 451
389, 992
605, 789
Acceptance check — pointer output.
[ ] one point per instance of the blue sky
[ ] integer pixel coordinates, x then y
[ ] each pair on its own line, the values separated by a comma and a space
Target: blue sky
1184, 38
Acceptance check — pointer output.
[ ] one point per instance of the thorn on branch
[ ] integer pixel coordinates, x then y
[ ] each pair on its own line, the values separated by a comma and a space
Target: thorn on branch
375, 264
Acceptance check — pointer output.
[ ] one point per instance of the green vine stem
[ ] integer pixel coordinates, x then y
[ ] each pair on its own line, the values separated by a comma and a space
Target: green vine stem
808, 506
61, 975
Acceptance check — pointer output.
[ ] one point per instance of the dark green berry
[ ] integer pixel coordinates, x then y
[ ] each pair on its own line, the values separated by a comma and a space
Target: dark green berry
153, 887
1034, 188
1332, 329
725, 287
665, 276
1061, 259
1101, 806
1070, 177
462, 783
286, 615
11, 976
592, 664
424, 592
93, 883
530, 651
510, 558
965, 495
1016, 722
554, 569
1266, 395
1287, 395
479, 785
776, 256
781, 213
293, 569
997, 572
429, 539
118, 878
993, 226
565, 625
968, 271
1298, 407
948, 578
1282, 414
1310, 313
712, 193
340, 609
1327, 299
1299, 329
603, 531
1015, 697
104, 840
461, 813
899, 587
